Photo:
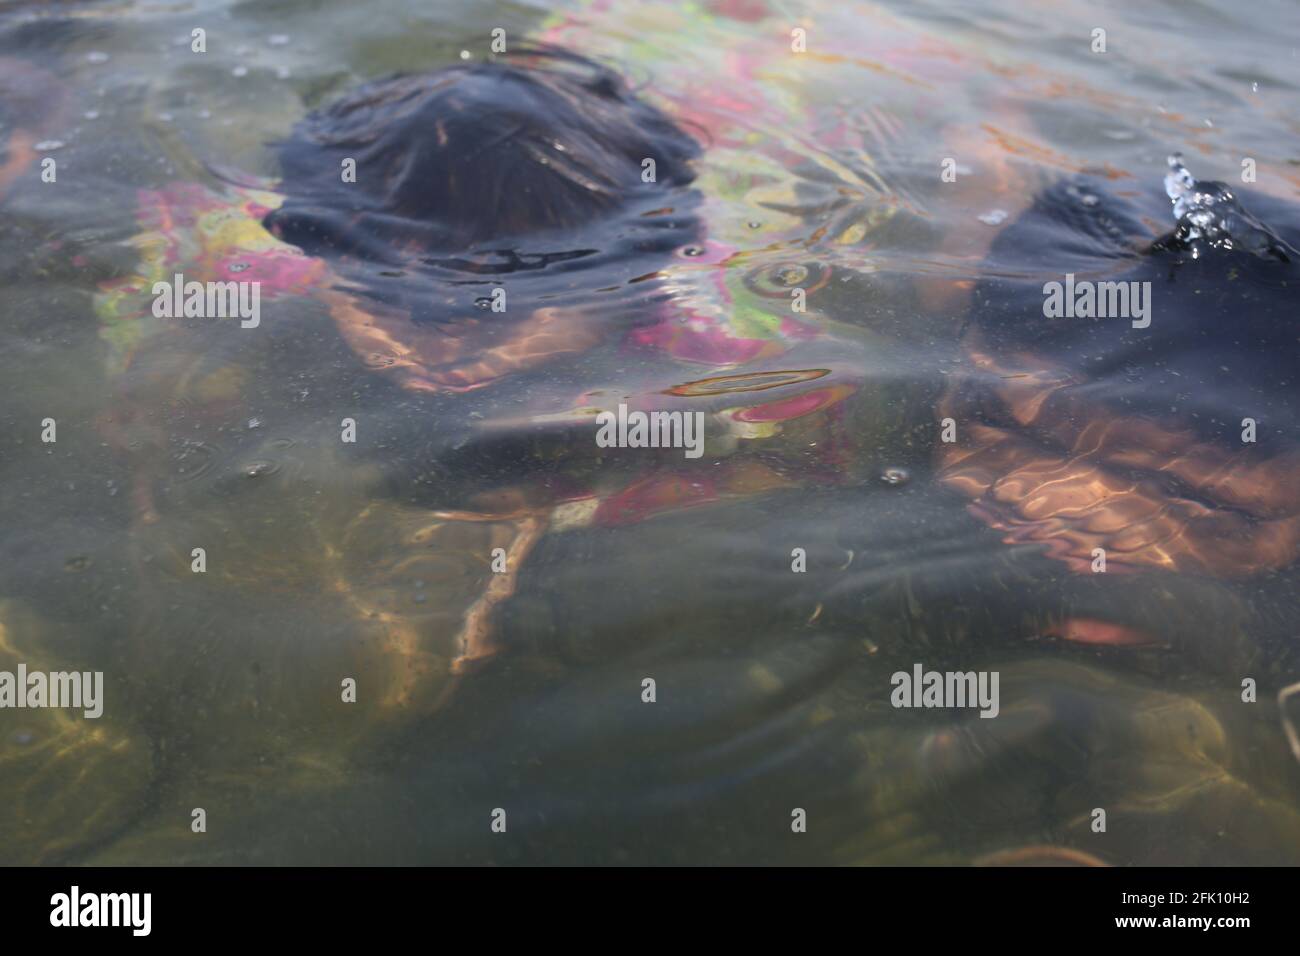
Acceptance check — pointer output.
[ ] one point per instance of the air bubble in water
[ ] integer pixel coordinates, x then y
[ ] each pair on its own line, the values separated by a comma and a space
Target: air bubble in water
895, 476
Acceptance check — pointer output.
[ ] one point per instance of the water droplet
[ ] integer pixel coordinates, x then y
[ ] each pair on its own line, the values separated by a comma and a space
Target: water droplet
239, 71
278, 39
483, 302
693, 251
96, 56
48, 145
254, 423
994, 217
259, 469
91, 114
464, 54
754, 224
76, 564
895, 476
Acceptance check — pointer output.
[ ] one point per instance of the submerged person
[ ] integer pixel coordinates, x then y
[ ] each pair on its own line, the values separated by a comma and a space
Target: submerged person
413, 205
1161, 440
530, 175
401, 205
527, 175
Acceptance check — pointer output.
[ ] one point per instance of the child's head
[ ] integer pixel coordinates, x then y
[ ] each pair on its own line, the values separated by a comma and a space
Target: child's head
527, 176
474, 154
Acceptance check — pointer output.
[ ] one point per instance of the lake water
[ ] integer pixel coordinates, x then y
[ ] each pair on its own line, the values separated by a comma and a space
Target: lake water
474, 635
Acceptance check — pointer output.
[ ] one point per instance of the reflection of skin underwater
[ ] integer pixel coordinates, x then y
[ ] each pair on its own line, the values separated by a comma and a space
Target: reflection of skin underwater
726, 322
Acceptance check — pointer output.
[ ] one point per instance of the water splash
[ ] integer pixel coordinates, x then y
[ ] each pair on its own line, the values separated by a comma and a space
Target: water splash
1208, 213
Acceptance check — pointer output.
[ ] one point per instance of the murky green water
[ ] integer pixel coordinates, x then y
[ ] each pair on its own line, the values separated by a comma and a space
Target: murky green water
328, 561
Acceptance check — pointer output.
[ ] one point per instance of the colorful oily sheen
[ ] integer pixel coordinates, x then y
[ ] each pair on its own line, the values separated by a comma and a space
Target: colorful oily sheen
206, 237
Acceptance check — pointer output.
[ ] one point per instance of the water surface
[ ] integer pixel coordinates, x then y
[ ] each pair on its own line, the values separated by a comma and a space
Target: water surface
822, 170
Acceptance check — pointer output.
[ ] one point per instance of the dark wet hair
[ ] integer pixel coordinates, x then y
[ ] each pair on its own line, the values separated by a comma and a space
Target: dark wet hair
1222, 333
474, 154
